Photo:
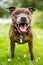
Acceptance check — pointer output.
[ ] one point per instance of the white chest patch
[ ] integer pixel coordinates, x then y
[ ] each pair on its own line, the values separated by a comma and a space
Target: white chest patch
21, 40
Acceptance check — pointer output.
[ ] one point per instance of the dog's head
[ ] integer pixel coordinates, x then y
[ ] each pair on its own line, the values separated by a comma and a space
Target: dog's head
21, 17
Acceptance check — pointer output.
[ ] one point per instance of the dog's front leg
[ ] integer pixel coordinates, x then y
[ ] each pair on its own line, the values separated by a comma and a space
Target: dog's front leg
12, 47
30, 44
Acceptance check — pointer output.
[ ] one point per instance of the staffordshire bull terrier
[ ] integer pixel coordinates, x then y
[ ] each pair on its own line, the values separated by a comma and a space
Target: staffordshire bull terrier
20, 30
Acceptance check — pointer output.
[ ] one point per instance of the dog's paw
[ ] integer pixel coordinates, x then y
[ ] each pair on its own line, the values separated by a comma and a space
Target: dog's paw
35, 60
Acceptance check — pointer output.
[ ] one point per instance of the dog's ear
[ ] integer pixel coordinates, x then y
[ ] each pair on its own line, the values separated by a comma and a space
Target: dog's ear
11, 8
31, 9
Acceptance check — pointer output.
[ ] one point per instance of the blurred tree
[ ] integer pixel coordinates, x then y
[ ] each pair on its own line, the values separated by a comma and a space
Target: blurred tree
37, 4
3, 12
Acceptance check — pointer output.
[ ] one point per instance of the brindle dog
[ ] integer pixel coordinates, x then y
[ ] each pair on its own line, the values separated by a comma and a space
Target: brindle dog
20, 30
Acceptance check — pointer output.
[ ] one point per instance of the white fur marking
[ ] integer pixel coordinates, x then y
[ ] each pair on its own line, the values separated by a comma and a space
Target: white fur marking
21, 40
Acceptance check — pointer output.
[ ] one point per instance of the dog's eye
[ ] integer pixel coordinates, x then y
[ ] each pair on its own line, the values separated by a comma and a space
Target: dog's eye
18, 12
27, 13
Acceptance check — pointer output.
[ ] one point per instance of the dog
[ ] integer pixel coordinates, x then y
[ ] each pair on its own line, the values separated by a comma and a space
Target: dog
21, 30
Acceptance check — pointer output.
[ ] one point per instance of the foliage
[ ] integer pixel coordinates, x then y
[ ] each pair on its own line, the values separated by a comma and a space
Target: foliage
37, 20
38, 4
3, 12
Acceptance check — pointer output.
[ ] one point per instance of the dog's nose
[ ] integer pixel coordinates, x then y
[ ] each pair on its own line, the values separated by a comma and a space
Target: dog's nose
23, 18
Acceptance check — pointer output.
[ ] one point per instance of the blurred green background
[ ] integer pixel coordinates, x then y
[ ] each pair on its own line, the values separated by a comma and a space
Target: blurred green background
37, 4
21, 50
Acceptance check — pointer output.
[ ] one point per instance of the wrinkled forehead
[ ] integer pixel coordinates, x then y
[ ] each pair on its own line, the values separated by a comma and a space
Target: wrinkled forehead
23, 10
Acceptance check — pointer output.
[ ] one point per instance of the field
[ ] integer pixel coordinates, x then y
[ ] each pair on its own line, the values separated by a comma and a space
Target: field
22, 56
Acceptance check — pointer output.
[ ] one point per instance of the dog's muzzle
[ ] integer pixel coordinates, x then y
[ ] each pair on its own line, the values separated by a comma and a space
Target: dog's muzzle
23, 19
22, 25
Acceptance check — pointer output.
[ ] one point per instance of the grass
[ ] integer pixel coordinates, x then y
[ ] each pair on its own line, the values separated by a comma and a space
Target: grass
20, 50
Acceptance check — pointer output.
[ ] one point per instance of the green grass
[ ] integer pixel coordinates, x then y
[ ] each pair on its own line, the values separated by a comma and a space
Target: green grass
21, 50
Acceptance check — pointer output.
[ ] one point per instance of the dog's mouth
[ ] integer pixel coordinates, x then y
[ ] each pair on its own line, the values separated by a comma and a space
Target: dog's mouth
22, 27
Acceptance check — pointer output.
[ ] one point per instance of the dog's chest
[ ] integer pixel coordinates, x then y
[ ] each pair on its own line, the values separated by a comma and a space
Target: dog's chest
21, 39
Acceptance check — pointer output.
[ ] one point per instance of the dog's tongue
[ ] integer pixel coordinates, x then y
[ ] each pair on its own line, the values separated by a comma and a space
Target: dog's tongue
23, 28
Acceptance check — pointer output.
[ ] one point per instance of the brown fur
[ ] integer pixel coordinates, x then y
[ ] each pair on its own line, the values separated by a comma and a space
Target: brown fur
27, 37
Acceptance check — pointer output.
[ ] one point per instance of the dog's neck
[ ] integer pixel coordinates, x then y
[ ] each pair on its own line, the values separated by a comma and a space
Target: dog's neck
21, 38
